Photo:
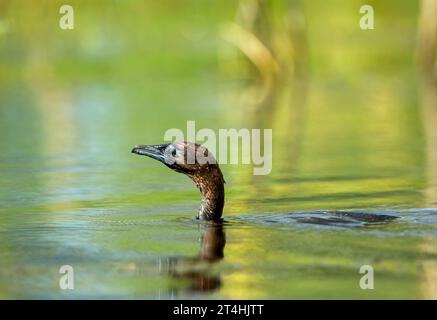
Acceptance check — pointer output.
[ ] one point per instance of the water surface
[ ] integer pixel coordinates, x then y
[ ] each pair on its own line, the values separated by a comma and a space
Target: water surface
350, 136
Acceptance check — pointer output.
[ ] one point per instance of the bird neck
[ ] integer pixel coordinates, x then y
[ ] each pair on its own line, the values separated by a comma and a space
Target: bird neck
211, 185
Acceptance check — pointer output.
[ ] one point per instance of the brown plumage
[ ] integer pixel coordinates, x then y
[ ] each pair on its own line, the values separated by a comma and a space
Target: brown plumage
199, 164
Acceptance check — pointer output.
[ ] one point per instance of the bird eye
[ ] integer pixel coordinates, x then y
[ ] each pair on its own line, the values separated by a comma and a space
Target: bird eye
173, 153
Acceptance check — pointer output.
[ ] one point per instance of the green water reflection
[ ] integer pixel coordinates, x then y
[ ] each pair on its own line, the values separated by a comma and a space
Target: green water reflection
353, 128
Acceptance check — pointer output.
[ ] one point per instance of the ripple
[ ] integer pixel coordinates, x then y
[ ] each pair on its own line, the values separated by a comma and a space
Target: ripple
410, 221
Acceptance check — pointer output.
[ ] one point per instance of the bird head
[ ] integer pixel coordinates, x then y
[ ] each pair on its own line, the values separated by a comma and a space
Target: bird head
192, 159
199, 164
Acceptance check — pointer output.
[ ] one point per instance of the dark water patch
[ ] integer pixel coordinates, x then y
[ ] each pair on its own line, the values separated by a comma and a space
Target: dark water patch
413, 222
351, 219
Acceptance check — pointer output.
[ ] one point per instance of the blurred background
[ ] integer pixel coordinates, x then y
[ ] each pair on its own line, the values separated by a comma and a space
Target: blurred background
353, 114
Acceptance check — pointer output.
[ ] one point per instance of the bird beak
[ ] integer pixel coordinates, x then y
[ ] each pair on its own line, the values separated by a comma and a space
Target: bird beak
156, 152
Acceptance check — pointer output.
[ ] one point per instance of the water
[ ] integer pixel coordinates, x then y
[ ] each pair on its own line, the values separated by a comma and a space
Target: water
353, 180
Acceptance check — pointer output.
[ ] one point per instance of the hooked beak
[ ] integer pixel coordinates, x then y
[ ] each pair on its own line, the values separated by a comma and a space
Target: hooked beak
156, 152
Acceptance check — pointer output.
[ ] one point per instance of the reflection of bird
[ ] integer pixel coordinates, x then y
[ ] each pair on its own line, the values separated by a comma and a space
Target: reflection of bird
199, 164
197, 270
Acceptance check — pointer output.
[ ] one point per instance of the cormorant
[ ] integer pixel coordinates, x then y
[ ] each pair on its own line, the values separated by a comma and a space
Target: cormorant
196, 162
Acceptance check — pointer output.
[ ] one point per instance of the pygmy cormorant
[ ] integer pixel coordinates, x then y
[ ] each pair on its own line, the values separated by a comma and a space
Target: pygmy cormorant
196, 162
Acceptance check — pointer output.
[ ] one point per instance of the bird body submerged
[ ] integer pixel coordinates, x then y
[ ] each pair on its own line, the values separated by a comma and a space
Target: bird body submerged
196, 162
